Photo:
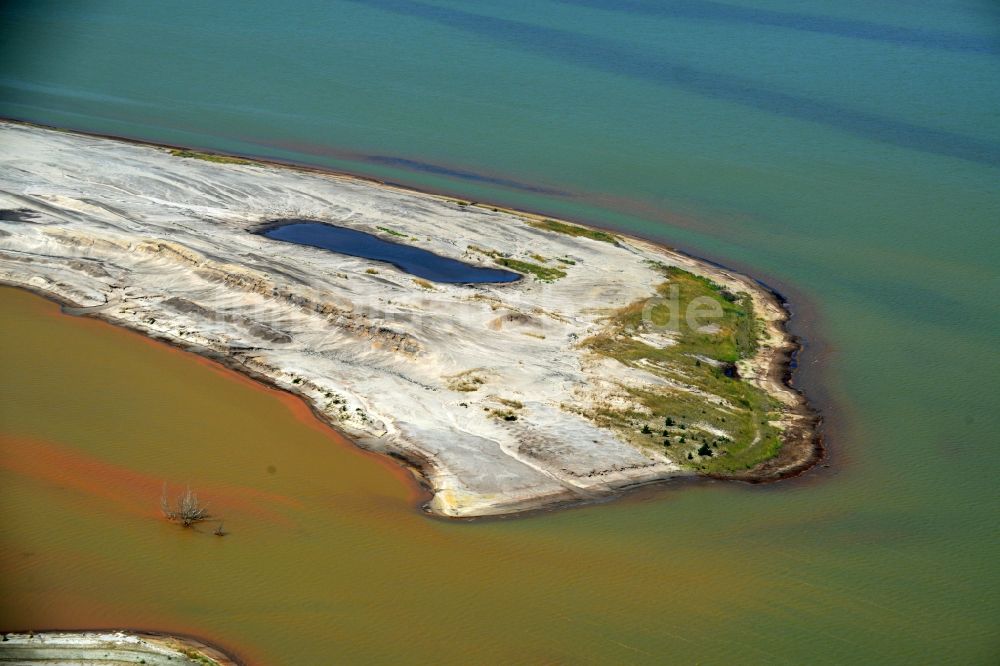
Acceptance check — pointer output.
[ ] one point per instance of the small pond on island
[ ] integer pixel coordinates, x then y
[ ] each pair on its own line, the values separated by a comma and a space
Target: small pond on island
413, 260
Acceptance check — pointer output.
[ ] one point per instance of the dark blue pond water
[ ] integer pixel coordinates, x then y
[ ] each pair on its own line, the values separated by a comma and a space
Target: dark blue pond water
413, 260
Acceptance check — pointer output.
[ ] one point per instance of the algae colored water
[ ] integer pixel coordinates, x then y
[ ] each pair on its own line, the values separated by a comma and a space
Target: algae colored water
846, 153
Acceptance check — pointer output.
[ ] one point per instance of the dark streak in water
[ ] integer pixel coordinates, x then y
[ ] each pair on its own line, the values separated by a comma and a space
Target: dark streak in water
707, 10
611, 56
461, 174
406, 163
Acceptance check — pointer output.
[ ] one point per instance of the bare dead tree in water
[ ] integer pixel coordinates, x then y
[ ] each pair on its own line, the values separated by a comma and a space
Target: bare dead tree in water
187, 510
219, 531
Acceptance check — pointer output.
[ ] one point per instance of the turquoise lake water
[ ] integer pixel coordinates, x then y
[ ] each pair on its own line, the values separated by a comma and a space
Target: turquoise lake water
846, 153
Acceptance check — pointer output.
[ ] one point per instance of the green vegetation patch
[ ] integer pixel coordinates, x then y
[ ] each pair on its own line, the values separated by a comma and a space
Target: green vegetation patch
684, 292
543, 273
708, 419
198, 657
391, 232
208, 157
573, 230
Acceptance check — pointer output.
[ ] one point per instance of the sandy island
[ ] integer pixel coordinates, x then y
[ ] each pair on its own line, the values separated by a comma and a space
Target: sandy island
108, 647
565, 386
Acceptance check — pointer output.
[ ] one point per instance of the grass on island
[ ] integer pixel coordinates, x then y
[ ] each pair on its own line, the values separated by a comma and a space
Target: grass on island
573, 230
738, 328
467, 381
197, 657
424, 284
392, 232
543, 273
686, 424
506, 413
208, 157
371, 271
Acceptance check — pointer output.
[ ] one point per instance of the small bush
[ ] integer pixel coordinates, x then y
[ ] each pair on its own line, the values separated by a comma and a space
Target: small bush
423, 284
187, 510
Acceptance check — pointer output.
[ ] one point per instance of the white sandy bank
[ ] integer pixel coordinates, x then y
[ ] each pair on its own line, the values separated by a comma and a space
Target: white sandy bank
107, 648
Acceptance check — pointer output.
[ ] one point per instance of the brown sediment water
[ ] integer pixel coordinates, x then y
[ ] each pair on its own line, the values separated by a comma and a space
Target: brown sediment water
328, 558
95, 420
